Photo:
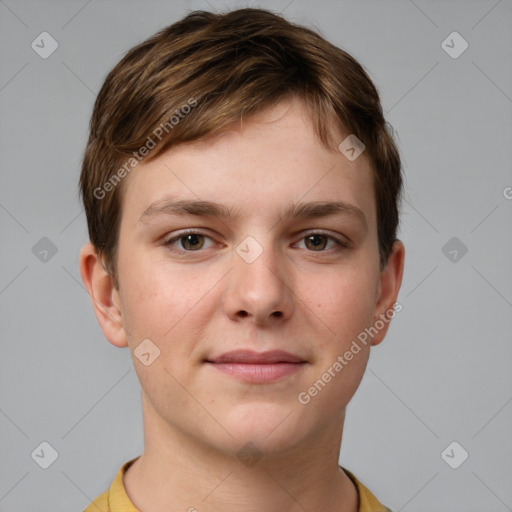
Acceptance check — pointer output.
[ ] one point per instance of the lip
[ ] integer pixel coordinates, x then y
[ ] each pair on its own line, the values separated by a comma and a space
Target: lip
252, 357
257, 367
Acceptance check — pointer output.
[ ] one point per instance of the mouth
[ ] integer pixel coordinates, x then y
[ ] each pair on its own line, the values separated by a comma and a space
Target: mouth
257, 367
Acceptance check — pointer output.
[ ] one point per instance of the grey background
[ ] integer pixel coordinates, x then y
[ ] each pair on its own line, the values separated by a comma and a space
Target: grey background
443, 372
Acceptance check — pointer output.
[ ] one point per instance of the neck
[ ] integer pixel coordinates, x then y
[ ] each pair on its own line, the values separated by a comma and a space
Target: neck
188, 475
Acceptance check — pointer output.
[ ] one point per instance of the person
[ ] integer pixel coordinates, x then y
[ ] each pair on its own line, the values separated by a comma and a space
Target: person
242, 192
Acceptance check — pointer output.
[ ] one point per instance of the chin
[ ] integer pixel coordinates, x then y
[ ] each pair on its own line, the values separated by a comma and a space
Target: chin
265, 427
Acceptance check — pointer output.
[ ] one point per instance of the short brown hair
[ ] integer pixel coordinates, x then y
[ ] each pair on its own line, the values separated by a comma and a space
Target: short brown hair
226, 67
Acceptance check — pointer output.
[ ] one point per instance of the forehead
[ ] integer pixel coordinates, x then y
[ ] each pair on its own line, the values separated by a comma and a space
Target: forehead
254, 167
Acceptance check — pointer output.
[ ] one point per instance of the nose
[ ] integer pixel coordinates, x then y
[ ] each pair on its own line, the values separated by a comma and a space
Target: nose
260, 290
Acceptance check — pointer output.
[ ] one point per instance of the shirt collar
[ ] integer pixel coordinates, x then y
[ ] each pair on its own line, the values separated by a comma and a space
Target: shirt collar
118, 500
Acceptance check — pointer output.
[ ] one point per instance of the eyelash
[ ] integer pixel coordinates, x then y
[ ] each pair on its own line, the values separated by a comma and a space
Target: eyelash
341, 244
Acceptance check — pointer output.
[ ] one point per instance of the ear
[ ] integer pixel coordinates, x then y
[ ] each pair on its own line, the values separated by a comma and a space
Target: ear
390, 280
105, 298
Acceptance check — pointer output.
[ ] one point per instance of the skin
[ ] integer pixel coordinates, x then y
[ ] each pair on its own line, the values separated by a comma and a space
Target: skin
203, 299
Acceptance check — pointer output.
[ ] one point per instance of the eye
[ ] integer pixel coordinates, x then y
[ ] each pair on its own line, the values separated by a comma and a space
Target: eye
188, 241
318, 242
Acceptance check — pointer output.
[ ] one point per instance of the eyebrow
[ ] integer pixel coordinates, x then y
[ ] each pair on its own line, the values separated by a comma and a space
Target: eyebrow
168, 206
314, 209
322, 209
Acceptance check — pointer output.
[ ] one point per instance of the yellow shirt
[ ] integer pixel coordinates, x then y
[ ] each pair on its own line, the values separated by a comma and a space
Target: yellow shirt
116, 499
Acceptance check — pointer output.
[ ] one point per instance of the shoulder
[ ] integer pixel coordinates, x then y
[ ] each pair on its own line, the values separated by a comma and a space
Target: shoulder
367, 501
100, 504
115, 498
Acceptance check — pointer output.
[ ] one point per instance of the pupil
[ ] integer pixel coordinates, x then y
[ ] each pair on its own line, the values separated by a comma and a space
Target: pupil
320, 240
192, 240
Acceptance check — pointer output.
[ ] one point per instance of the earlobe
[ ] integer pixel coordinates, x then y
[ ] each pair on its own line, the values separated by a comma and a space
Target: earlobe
390, 280
103, 295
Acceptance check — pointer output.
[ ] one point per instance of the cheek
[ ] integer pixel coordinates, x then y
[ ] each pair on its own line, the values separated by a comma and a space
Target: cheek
343, 301
167, 305
343, 305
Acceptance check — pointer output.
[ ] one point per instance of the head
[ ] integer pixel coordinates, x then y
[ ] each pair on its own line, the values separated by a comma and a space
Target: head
227, 125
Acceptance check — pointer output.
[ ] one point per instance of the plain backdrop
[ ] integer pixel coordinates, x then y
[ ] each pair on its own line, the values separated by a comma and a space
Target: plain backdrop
443, 373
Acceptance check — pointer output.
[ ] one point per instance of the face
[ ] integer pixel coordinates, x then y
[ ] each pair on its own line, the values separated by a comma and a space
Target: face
257, 240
